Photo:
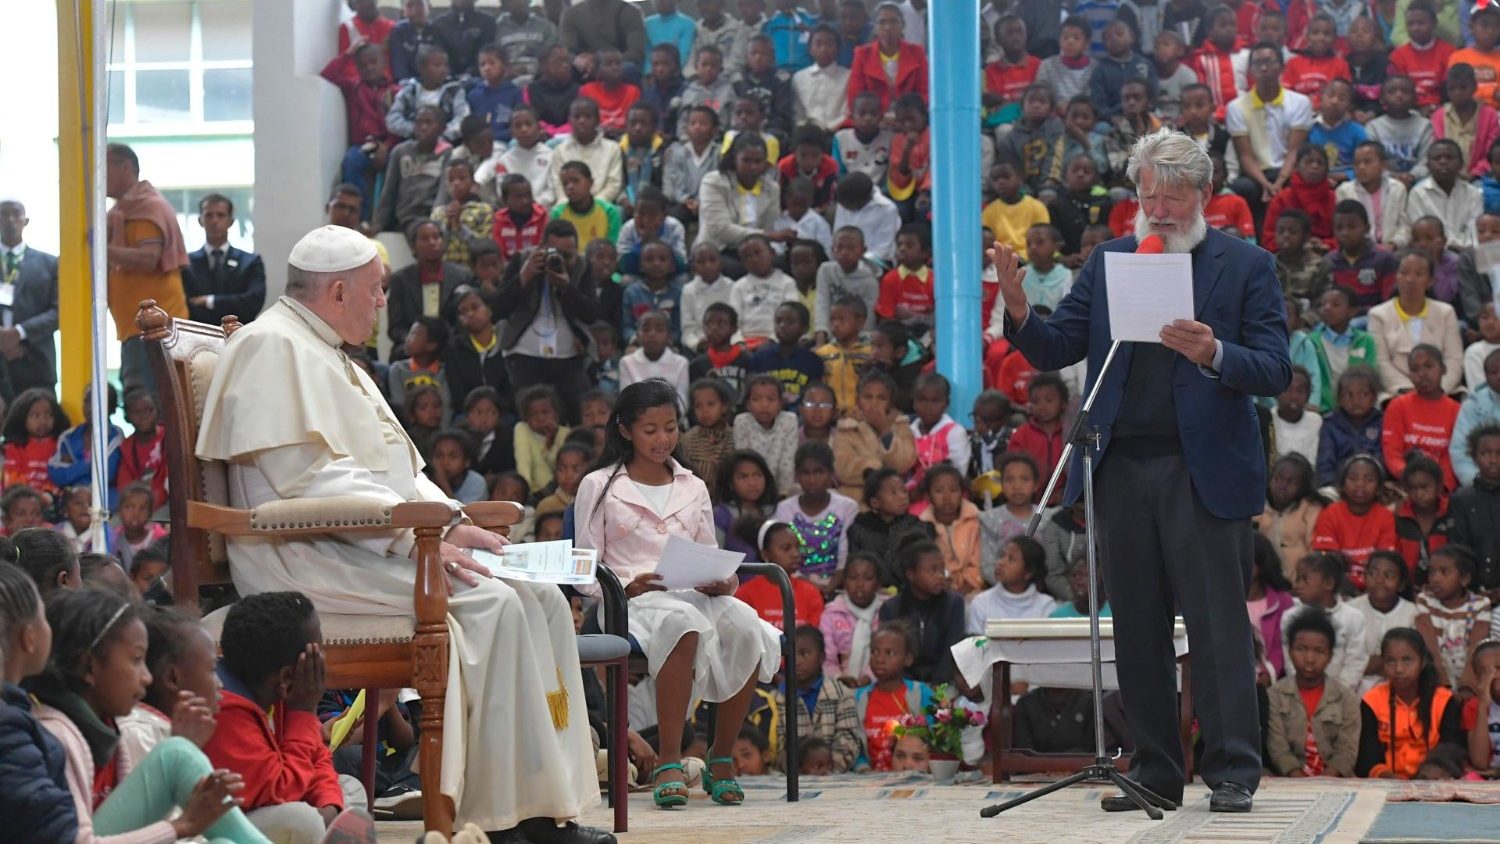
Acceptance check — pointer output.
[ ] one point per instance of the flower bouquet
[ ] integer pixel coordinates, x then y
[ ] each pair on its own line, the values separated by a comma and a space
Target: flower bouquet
941, 725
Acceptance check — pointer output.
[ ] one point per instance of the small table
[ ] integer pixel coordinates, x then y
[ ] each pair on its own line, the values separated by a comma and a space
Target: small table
1052, 652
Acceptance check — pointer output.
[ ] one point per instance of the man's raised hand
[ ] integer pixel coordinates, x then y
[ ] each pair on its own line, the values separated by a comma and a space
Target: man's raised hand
1008, 266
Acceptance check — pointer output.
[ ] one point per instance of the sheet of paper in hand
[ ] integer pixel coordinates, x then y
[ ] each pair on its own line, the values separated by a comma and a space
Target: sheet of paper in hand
1147, 292
541, 562
688, 565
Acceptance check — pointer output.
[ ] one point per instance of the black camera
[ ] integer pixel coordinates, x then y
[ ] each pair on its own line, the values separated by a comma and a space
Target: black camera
555, 262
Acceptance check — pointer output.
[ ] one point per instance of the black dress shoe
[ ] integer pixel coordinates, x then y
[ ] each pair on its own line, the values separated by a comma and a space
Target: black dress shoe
1230, 797
509, 836
1122, 803
546, 831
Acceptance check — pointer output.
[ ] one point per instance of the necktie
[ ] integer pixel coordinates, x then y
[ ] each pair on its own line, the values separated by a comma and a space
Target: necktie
11, 260
215, 259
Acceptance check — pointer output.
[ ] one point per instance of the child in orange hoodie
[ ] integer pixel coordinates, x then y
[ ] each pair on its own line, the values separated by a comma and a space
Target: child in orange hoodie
1407, 715
1309, 191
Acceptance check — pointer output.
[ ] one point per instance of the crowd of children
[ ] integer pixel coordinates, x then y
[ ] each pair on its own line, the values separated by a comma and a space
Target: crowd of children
750, 206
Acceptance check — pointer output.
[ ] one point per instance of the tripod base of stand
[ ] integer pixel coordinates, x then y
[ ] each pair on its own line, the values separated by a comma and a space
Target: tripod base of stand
1102, 770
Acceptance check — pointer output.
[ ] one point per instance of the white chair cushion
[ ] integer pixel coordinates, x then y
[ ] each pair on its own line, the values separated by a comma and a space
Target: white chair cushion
341, 629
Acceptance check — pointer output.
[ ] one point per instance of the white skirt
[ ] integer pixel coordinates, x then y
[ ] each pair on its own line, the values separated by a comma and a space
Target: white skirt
733, 641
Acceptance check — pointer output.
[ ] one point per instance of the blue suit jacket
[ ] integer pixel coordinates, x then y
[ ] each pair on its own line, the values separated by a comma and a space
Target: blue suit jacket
1235, 292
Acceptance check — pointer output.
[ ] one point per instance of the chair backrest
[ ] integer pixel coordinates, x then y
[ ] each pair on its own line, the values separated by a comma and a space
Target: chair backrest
183, 355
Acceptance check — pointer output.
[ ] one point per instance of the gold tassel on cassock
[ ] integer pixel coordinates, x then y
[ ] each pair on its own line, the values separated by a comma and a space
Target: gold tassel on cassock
557, 704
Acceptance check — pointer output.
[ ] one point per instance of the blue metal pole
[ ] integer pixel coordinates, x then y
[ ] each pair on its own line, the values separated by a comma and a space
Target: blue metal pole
953, 27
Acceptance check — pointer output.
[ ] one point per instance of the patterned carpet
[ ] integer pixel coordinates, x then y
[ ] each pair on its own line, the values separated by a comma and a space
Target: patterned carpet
915, 809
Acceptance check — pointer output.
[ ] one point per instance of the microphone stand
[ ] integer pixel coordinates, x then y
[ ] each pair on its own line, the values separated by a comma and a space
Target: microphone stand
1103, 769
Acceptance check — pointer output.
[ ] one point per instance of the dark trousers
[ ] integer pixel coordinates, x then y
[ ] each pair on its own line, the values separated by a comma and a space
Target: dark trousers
1162, 551
568, 377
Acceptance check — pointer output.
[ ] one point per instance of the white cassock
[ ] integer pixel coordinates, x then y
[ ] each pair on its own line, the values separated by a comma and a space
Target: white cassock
296, 420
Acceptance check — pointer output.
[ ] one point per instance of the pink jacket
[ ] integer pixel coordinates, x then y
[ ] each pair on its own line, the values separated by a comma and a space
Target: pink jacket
838, 625
1486, 132
80, 773
624, 526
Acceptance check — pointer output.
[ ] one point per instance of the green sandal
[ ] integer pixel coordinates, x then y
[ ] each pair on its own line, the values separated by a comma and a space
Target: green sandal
718, 790
660, 794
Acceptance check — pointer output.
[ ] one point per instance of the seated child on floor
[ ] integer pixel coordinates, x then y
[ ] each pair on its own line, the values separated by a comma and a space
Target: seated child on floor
880, 705
1314, 725
1409, 714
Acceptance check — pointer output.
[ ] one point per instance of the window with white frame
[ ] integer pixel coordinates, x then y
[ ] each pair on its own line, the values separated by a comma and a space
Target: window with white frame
180, 66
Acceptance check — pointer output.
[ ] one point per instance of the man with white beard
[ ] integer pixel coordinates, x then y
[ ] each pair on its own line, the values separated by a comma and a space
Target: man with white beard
294, 418
1180, 469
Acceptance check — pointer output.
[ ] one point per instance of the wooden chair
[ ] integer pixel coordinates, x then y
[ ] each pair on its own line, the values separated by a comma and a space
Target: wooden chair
363, 651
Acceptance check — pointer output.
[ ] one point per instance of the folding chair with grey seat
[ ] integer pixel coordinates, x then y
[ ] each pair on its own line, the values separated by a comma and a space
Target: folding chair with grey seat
362, 651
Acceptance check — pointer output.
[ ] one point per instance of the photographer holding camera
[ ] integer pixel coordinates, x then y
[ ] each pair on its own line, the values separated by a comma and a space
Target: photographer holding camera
546, 302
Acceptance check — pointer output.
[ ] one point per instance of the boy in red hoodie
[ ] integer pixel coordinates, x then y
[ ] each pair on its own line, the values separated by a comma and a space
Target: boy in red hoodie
1042, 435
614, 95
1213, 62
1310, 192
272, 657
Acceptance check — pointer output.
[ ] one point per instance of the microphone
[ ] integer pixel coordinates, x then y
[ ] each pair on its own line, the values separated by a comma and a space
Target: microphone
1151, 245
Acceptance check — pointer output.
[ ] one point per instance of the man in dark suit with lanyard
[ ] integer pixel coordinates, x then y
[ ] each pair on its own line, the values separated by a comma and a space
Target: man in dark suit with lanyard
221, 279
28, 304
1181, 468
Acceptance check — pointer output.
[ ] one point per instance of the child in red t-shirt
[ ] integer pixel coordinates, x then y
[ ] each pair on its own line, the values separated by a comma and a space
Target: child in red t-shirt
614, 95
1422, 419
141, 457
906, 291
1309, 191
32, 427
1425, 58
1227, 209
1008, 76
519, 223
1356, 525
1042, 435
893, 649
1317, 65
779, 544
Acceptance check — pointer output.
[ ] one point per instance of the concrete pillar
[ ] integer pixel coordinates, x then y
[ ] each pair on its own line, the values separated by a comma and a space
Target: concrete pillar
299, 126
953, 30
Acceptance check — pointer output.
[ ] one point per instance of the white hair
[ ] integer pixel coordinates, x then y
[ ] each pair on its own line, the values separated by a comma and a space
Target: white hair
308, 286
1173, 156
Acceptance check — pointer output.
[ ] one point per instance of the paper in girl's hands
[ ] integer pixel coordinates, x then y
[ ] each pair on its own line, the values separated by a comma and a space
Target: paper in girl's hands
541, 562
688, 565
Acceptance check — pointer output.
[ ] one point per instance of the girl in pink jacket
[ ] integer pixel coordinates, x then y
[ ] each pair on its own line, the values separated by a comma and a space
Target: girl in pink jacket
702, 643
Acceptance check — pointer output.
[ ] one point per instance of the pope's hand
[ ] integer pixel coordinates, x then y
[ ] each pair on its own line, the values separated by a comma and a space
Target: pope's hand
473, 536
1192, 340
1008, 265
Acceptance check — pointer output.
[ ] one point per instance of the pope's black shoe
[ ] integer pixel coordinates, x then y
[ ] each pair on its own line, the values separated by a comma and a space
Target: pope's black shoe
1230, 797
546, 831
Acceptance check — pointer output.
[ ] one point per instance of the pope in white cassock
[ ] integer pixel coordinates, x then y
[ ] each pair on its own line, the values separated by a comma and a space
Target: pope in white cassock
294, 419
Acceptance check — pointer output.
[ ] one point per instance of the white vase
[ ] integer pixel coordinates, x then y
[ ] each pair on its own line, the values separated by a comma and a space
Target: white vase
943, 770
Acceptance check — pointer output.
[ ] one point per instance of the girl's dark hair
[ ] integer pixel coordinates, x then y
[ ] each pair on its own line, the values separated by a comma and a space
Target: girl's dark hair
15, 420
1427, 684
1404, 588
720, 389
414, 395
761, 541
1354, 460
1034, 556
1463, 560
463, 438
899, 627
135, 489
1359, 372
757, 738
18, 601
1331, 565
1306, 490
819, 386
941, 470
519, 478
44, 554
724, 483
584, 449
1427, 348
167, 638
1010, 457
533, 394
85, 622
1266, 562
815, 451
874, 480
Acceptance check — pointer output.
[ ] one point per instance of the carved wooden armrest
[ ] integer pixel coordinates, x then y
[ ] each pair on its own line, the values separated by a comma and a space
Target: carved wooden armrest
494, 514
314, 516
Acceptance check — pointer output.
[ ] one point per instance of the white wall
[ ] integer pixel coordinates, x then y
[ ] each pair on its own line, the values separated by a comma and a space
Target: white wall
299, 126
28, 132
